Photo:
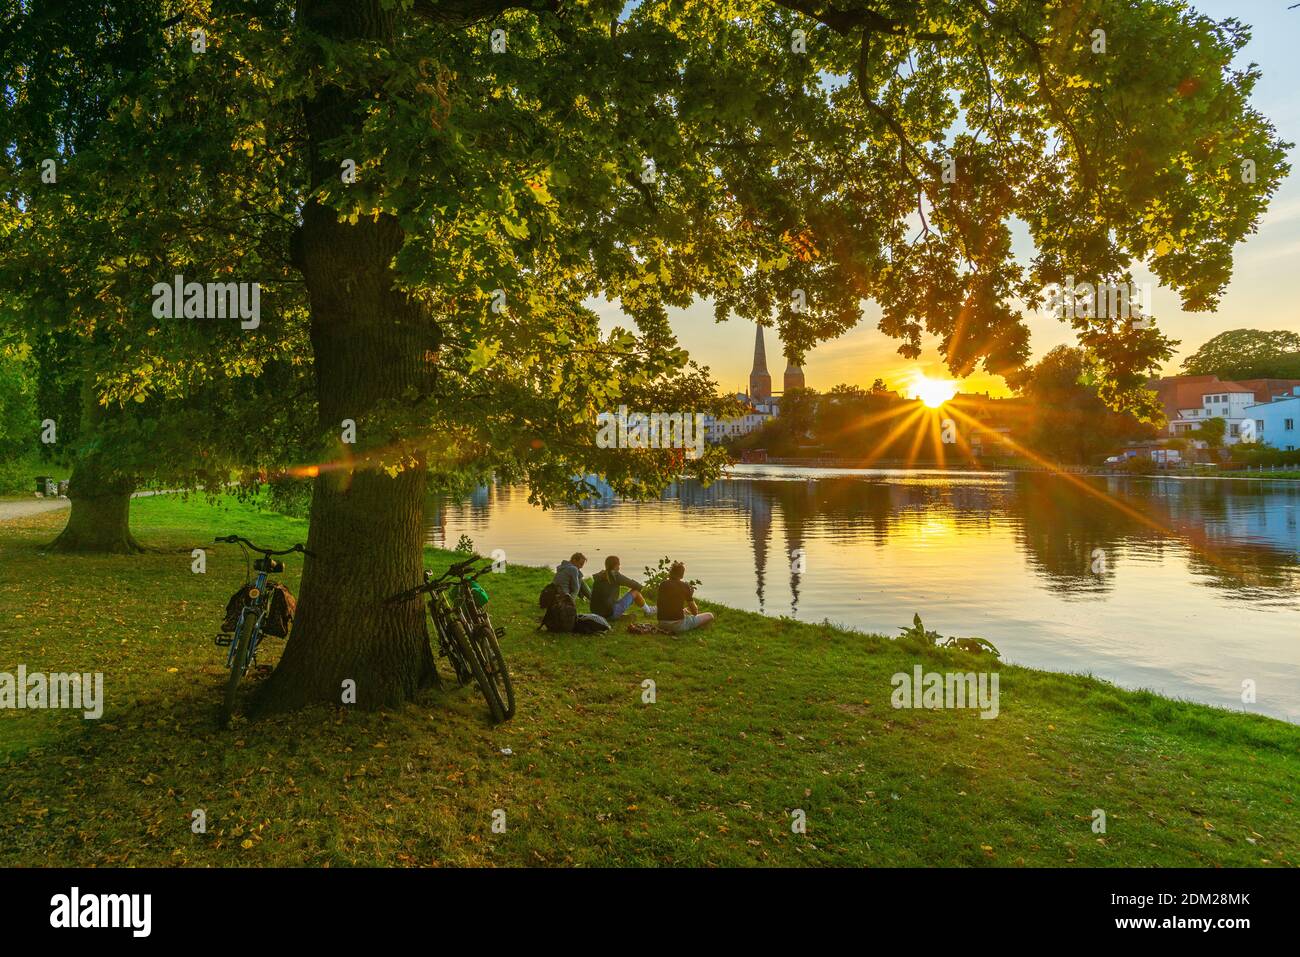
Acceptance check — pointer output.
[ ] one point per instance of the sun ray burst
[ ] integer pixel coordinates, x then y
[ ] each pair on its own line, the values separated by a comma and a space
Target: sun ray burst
932, 392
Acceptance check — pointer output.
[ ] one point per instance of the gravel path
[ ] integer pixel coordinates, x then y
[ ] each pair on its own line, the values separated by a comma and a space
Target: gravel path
21, 509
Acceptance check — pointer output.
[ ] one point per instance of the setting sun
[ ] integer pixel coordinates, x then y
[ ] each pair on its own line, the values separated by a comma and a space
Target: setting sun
933, 392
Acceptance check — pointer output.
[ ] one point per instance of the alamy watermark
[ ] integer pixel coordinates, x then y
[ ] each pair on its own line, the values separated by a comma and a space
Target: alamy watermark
179, 299
651, 430
934, 690
1109, 300
36, 690
75, 909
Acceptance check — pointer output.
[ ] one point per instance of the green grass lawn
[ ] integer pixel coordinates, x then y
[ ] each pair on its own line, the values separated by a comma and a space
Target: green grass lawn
1276, 474
753, 719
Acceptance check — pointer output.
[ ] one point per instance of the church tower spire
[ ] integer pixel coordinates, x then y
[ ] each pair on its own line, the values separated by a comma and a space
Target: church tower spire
793, 376
760, 383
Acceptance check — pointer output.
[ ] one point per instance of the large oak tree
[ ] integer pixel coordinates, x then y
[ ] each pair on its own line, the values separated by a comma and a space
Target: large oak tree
785, 160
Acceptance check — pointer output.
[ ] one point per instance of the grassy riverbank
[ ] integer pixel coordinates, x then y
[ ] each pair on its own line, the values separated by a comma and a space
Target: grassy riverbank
1266, 475
754, 718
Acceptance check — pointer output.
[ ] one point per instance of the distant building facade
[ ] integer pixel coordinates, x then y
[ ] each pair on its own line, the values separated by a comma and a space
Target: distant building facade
1266, 390
1190, 401
721, 430
1277, 423
763, 405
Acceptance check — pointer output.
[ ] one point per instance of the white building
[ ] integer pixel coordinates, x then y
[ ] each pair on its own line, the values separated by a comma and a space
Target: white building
718, 430
763, 405
1223, 400
1277, 423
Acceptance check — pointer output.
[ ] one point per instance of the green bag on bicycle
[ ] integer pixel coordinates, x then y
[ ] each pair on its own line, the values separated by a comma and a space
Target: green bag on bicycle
480, 594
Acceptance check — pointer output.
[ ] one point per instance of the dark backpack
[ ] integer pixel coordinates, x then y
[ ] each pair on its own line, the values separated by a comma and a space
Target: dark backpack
279, 613
560, 614
546, 597
590, 624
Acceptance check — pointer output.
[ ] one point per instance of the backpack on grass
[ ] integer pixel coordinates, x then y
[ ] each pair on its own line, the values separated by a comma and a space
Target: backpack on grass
546, 597
590, 624
560, 614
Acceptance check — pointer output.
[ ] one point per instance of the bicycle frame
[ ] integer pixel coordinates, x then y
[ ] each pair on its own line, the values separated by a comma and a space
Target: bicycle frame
466, 636
442, 609
257, 605
469, 609
453, 602
247, 639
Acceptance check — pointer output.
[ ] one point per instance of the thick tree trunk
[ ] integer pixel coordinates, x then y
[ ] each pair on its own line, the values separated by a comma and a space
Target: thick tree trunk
366, 527
367, 534
101, 510
101, 498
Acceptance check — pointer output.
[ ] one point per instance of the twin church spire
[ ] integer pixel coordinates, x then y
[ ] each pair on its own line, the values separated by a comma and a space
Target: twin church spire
760, 381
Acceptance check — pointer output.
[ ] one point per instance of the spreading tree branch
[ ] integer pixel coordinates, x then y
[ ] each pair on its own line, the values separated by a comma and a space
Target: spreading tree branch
464, 12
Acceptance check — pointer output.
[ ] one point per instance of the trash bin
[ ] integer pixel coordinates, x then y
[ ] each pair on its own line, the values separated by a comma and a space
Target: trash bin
51, 488
41, 481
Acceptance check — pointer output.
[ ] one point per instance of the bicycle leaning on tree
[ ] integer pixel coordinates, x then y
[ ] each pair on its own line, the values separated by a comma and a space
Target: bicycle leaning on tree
466, 636
250, 626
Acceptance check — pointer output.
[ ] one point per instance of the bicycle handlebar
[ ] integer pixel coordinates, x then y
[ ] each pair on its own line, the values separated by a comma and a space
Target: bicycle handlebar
235, 539
455, 571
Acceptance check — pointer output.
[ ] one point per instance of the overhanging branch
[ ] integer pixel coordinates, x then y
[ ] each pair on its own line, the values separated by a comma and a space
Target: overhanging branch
462, 12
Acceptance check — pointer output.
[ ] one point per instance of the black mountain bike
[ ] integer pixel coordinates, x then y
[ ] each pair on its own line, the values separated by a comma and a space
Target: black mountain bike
248, 632
466, 636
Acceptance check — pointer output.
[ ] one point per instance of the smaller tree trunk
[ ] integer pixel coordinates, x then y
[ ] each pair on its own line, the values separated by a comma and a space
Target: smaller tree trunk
101, 497
100, 516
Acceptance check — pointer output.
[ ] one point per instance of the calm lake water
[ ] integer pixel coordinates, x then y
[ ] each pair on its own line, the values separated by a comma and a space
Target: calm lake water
1184, 586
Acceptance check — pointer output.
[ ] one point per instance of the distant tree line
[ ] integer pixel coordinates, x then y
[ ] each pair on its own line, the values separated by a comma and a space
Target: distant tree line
1248, 354
846, 422
1060, 417
1065, 418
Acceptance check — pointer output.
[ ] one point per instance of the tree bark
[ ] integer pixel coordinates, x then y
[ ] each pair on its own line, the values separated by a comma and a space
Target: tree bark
101, 510
99, 520
367, 533
366, 527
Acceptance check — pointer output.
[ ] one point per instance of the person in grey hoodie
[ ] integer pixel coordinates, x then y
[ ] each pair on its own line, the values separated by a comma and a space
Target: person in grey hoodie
568, 577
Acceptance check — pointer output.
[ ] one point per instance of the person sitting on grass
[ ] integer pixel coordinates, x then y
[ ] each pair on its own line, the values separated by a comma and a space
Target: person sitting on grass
677, 611
568, 578
605, 587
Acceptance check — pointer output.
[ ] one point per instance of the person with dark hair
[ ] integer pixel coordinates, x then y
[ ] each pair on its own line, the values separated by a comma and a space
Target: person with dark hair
605, 586
677, 611
568, 577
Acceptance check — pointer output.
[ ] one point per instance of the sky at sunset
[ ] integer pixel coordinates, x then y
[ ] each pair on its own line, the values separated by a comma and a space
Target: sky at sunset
1263, 294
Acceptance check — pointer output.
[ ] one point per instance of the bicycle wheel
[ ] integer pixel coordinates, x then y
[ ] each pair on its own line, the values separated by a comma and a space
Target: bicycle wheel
497, 670
447, 644
241, 653
471, 654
